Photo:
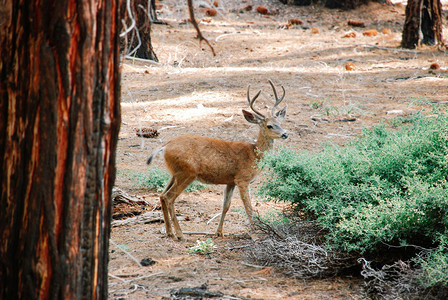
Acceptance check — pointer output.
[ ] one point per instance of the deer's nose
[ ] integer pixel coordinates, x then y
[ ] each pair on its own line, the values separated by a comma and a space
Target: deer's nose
284, 136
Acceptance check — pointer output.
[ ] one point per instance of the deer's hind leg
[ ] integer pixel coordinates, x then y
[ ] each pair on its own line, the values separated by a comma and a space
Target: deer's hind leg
166, 214
225, 207
177, 185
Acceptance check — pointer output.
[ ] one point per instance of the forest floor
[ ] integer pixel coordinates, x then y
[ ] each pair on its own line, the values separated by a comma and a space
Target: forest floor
192, 91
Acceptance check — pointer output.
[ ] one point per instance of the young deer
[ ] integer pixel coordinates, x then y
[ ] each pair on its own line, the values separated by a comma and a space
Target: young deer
213, 161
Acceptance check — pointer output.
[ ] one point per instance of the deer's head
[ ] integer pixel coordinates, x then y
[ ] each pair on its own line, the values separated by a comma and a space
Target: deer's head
271, 125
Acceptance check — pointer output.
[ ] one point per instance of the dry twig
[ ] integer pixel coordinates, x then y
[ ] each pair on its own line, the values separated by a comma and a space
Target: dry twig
126, 252
196, 26
295, 249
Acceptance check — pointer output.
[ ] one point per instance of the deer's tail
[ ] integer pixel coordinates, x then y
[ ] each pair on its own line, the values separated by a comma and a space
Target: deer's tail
154, 154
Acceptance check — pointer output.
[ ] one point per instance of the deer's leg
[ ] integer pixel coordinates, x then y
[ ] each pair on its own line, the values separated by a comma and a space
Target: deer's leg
179, 185
163, 202
245, 196
225, 206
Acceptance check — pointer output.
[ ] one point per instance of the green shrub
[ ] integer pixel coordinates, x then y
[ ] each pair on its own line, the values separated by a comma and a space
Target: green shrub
274, 218
387, 187
157, 179
435, 265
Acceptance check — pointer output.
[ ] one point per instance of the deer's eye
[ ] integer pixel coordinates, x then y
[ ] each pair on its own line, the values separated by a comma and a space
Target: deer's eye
269, 126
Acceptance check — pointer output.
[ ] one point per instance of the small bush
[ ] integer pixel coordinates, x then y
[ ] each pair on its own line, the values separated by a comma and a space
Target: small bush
386, 188
203, 248
157, 179
435, 266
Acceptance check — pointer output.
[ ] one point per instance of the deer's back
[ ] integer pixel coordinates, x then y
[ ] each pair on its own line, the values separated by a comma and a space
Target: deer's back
211, 160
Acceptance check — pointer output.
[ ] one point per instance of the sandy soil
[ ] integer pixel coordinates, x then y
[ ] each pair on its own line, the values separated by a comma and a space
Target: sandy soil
191, 91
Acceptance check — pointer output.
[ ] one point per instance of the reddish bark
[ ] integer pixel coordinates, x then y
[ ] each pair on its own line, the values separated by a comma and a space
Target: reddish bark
424, 16
436, 17
410, 37
59, 108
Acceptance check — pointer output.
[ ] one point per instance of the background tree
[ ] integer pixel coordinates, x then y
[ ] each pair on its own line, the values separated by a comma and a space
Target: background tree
424, 16
60, 115
138, 42
344, 4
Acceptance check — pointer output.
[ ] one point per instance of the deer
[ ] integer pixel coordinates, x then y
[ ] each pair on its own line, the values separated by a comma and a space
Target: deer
213, 161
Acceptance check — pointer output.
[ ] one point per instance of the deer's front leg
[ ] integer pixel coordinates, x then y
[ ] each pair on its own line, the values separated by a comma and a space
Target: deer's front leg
245, 196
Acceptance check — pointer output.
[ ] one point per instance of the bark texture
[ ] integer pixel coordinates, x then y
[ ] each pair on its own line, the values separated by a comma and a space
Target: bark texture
59, 108
423, 16
436, 20
410, 36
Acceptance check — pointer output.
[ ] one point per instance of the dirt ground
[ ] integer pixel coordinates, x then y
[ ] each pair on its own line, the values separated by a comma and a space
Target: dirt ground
192, 91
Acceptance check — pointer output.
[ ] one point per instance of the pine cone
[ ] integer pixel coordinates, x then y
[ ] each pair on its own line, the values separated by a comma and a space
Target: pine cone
147, 132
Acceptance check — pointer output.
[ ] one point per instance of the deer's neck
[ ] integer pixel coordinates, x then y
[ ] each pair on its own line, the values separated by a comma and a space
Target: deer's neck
263, 144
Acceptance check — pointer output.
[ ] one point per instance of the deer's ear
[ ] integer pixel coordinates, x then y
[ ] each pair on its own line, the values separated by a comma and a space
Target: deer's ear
251, 118
281, 114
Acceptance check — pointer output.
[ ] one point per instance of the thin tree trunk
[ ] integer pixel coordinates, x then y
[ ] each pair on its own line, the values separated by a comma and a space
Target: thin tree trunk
153, 14
59, 108
436, 13
427, 24
410, 36
138, 41
424, 15
142, 16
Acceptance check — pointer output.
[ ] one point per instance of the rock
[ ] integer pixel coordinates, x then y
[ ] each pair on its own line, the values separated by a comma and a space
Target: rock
147, 262
395, 112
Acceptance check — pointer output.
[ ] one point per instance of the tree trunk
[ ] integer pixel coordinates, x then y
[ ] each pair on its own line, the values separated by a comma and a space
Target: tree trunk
60, 115
436, 20
427, 24
138, 41
424, 15
345, 4
410, 37
153, 14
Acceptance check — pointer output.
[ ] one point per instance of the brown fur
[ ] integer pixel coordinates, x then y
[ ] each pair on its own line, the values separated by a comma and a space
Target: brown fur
190, 157
210, 160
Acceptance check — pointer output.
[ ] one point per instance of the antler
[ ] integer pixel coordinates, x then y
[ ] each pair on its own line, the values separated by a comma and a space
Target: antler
277, 101
251, 102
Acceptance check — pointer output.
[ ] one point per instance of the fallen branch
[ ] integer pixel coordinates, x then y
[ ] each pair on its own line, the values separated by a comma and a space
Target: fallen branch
145, 276
238, 247
118, 195
200, 292
141, 59
168, 127
253, 266
213, 218
390, 49
136, 278
236, 235
126, 252
196, 26
116, 277
198, 233
146, 218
